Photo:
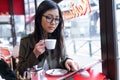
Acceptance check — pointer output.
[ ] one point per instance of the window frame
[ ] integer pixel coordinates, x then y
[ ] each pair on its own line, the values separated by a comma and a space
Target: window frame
109, 45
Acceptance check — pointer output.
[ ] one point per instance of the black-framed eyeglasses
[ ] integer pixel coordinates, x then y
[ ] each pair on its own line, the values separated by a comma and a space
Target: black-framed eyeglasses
50, 19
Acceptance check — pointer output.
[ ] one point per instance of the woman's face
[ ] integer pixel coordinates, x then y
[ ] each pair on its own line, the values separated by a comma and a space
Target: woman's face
50, 20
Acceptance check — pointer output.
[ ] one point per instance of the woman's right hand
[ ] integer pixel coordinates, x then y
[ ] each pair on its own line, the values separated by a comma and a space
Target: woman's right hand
39, 48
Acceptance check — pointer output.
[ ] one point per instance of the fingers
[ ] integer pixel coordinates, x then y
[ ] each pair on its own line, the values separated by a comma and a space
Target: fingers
67, 66
39, 48
71, 65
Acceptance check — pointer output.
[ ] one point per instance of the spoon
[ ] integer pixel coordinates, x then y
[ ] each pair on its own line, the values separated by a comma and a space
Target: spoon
52, 71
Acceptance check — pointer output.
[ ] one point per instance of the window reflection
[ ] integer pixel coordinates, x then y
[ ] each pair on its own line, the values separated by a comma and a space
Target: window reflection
82, 33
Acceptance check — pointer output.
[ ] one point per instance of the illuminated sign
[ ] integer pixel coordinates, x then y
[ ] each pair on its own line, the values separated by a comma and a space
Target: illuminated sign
77, 10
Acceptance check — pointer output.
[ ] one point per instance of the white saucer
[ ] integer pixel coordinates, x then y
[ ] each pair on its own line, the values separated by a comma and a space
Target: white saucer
56, 72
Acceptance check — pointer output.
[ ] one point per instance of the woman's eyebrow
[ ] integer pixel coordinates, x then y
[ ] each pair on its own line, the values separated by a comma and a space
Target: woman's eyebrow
52, 15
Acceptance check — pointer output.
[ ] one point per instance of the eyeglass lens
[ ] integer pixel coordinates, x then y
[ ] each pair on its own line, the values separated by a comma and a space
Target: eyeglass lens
51, 19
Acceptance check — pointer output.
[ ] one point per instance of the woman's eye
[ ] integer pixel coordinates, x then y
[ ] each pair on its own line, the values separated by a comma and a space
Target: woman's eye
48, 17
57, 19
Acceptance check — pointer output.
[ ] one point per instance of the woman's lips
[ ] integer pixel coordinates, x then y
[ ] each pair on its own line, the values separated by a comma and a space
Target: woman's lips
51, 28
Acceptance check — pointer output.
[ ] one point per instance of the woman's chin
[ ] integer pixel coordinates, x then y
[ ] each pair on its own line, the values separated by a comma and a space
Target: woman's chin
51, 31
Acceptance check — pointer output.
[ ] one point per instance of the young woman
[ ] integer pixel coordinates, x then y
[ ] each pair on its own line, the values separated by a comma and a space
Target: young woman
48, 25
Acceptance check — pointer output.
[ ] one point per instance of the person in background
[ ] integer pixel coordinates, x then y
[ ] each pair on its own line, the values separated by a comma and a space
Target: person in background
5, 71
48, 25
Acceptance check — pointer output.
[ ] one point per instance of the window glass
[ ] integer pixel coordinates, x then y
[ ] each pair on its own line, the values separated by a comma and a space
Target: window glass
29, 15
82, 30
19, 27
5, 38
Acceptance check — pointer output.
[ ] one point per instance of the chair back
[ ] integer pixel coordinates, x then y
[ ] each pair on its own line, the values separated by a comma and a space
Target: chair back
6, 55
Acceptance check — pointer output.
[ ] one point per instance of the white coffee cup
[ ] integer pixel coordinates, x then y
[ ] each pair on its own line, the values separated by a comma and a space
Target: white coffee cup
50, 43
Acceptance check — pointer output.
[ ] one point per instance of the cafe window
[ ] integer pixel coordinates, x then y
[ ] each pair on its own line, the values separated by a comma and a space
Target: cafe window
30, 7
87, 33
82, 31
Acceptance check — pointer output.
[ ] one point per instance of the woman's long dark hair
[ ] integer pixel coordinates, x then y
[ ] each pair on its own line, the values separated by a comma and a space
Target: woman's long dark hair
57, 34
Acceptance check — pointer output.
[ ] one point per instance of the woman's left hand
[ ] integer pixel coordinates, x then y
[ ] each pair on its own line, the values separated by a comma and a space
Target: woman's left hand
71, 65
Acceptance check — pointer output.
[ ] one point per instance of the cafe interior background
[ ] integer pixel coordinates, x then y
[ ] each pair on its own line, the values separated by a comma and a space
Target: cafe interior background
91, 30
